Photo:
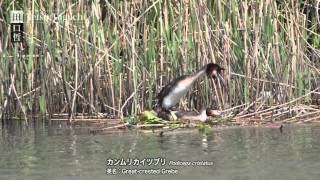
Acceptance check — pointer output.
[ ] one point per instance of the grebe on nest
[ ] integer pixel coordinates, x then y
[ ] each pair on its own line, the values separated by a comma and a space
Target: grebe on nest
197, 116
170, 95
189, 115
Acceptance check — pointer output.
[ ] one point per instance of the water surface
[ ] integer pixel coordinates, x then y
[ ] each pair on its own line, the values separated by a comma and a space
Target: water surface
72, 153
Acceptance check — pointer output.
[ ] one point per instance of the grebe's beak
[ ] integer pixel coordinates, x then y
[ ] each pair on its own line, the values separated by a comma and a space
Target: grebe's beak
221, 79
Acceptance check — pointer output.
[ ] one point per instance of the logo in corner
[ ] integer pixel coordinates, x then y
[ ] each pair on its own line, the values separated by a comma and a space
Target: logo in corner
16, 22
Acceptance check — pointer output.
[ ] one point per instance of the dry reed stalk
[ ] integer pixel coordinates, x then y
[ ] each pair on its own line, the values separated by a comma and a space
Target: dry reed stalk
76, 119
278, 106
311, 119
75, 83
300, 115
262, 80
150, 125
124, 125
249, 106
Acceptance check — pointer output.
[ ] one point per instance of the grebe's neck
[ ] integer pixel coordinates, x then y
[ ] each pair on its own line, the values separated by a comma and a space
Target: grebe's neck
203, 115
199, 73
203, 112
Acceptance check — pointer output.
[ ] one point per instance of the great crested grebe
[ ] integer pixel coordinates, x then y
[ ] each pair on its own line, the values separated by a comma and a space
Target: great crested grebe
189, 115
197, 116
172, 92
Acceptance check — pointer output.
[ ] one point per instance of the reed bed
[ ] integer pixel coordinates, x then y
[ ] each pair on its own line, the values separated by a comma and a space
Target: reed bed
117, 55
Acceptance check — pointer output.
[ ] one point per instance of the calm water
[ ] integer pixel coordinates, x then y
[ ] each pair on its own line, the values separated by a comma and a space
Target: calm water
62, 153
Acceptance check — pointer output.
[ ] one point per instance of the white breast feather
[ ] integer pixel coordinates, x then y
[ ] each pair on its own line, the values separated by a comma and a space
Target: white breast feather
173, 98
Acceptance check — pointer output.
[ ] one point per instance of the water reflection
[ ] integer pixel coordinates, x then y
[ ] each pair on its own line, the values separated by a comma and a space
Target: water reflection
64, 152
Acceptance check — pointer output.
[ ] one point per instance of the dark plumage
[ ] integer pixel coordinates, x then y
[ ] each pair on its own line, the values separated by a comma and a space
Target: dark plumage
172, 92
166, 90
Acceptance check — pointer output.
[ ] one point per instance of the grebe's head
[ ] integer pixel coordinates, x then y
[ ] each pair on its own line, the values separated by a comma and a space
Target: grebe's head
214, 70
213, 112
